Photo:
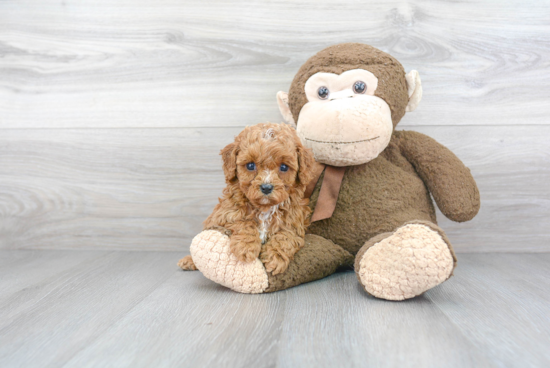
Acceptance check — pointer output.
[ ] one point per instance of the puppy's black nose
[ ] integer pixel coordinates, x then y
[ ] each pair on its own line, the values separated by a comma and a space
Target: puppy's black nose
266, 188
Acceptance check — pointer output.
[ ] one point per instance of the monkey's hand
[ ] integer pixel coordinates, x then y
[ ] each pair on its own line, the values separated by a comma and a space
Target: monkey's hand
448, 179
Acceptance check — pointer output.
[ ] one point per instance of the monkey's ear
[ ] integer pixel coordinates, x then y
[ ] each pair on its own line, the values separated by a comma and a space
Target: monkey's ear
282, 101
414, 87
229, 157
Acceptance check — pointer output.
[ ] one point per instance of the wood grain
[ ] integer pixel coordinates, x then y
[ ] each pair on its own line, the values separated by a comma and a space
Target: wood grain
137, 309
112, 115
337, 318
504, 297
152, 188
212, 63
50, 319
195, 323
37, 266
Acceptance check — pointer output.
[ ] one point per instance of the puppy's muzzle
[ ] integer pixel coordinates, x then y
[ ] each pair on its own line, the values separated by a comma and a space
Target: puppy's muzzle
266, 188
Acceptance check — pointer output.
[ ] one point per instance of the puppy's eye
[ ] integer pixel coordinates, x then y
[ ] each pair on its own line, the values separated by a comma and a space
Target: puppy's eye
359, 87
283, 168
323, 92
251, 166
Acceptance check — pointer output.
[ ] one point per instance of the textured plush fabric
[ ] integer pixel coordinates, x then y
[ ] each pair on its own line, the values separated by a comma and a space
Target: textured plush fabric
374, 198
383, 194
211, 255
414, 89
448, 179
317, 259
337, 133
405, 263
392, 86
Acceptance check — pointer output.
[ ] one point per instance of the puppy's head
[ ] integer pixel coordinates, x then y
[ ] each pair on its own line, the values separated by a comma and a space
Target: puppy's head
268, 163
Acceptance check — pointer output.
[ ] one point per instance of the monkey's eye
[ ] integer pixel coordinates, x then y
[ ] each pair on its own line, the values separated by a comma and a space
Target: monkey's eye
283, 168
359, 87
251, 166
323, 92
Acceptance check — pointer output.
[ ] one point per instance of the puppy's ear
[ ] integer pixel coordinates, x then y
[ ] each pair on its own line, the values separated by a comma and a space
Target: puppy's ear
306, 160
229, 157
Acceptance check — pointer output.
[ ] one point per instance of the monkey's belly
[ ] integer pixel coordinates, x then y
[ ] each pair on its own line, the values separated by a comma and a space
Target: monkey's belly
374, 198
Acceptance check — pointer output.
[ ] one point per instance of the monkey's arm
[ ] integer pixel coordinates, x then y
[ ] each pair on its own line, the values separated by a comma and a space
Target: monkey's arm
448, 179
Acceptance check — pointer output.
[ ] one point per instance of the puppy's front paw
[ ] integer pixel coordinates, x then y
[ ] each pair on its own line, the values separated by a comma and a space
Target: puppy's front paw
245, 249
187, 264
274, 261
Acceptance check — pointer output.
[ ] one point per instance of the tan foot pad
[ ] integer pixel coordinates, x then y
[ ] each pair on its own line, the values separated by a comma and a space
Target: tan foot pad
407, 263
210, 252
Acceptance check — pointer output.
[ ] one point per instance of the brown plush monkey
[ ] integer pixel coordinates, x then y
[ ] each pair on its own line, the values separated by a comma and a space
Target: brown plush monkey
372, 204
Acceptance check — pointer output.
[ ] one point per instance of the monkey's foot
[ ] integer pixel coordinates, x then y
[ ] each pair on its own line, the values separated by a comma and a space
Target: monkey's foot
406, 263
211, 255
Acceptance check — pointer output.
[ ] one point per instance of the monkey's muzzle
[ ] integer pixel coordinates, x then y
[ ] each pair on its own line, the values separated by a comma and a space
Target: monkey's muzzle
346, 131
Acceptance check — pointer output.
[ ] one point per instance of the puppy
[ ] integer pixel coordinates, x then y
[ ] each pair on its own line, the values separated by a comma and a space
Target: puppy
266, 170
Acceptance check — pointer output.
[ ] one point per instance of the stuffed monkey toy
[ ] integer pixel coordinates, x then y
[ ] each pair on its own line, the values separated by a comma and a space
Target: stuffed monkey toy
372, 193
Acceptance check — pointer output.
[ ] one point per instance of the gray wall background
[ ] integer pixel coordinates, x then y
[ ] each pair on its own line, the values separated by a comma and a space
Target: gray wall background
112, 114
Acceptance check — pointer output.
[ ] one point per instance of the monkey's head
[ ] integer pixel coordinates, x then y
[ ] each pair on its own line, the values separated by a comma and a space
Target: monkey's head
346, 100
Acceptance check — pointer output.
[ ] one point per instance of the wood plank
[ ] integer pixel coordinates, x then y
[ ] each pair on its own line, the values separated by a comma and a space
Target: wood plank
123, 189
152, 188
501, 303
21, 269
320, 324
48, 322
333, 322
190, 321
196, 63
137, 309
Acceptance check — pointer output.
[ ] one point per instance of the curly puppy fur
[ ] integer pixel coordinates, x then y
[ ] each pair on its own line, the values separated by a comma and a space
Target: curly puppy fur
269, 226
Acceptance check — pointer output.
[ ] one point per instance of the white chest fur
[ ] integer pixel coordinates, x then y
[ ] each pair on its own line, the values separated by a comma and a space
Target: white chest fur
266, 219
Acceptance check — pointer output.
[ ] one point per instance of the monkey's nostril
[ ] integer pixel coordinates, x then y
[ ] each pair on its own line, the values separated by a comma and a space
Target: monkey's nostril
266, 188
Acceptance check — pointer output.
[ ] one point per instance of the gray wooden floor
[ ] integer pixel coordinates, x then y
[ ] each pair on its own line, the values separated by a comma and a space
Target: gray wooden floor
119, 308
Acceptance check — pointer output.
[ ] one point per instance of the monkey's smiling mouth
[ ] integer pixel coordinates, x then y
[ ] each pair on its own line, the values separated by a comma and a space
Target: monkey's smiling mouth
364, 140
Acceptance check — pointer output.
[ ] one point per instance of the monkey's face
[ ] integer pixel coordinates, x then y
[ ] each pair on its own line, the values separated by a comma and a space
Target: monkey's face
343, 122
346, 100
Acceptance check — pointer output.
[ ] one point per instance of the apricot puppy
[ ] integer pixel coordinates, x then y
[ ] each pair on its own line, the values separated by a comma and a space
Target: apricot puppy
266, 170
